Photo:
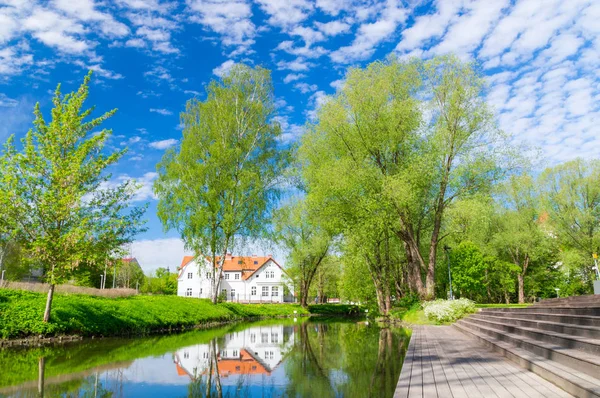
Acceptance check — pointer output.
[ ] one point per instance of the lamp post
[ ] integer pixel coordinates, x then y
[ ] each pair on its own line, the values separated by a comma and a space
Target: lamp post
557, 290
447, 250
595, 255
101, 281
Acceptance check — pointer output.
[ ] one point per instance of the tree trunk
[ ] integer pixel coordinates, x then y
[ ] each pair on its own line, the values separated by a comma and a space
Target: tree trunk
506, 297
304, 295
49, 303
520, 279
41, 376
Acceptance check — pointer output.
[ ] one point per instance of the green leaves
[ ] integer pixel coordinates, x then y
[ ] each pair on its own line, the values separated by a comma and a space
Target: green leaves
57, 199
222, 182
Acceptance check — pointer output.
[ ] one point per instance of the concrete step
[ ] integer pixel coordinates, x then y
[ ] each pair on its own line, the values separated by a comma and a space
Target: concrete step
574, 382
560, 339
583, 320
575, 359
558, 327
588, 310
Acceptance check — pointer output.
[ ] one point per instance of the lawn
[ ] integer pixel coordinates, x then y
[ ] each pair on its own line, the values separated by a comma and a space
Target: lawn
21, 314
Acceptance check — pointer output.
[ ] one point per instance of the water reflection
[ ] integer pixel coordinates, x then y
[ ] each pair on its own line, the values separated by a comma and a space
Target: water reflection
307, 359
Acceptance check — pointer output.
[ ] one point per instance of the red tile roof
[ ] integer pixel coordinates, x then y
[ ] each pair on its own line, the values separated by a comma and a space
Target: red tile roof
248, 265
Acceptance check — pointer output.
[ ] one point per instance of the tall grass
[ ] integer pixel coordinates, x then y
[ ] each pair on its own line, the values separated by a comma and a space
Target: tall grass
68, 289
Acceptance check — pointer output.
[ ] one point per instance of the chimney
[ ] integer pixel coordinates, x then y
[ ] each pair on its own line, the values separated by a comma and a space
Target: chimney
254, 255
269, 255
228, 256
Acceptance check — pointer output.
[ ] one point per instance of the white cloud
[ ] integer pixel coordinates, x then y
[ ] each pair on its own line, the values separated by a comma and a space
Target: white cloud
286, 14
305, 87
333, 28
223, 69
7, 102
371, 34
164, 144
164, 112
297, 65
293, 77
231, 20
157, 253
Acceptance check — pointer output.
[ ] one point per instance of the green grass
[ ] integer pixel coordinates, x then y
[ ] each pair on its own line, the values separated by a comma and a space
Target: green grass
413, 315
336, 309
21, 314
502, 305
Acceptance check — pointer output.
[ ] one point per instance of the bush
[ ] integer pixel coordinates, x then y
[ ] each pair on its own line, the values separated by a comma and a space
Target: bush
443, 311
336, 309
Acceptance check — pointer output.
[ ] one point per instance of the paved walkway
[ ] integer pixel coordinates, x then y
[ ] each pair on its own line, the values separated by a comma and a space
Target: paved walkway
443, 362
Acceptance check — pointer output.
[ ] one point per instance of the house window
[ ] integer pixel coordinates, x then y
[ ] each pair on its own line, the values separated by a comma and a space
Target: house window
253, 291
237, 276
232, 293
264, 338
268, 354
275, 291
226, 275
235, 353
205, 355
208, 275
200, 290
265, 291
274, 338
188, 292
186, 354
253, 338
190, 275
224, 292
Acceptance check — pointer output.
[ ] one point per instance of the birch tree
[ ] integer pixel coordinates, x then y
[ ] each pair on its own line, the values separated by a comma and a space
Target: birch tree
221, 183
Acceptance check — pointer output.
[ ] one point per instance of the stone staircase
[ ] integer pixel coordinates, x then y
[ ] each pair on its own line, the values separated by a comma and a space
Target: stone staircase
558, 339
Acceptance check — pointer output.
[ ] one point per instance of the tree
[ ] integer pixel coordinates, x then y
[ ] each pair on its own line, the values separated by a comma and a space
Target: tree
59, 206
572, 200
521, 237
222, 183
160, 282
306, 241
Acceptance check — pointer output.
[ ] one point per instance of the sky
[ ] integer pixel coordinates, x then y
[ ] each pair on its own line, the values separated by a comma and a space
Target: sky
540, 58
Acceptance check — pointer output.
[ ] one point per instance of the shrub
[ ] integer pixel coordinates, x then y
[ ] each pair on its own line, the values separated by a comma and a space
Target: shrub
443, 311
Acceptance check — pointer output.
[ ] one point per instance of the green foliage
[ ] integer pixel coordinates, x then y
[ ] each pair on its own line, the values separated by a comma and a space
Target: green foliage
221, 183
54, 198
336, 309
20, 314
161, 282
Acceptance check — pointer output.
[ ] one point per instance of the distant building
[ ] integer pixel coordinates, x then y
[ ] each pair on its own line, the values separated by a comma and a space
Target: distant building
245, 279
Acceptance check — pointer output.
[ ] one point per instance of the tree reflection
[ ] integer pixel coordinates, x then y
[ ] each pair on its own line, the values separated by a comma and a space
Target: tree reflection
208, 385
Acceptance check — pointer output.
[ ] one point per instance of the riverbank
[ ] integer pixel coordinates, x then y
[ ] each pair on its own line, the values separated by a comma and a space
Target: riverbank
21, 314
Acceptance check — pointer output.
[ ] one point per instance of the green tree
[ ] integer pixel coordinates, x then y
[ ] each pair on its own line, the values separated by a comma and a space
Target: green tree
521, 237
160, 282
306, 242
221, 183
572, 200
57, 205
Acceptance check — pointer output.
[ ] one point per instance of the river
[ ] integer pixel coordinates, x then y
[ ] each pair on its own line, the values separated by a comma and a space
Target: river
303, 358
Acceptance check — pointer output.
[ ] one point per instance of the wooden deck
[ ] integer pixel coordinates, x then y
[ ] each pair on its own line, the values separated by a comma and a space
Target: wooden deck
443, 362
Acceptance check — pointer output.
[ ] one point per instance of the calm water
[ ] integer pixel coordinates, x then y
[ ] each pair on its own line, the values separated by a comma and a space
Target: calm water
267, 359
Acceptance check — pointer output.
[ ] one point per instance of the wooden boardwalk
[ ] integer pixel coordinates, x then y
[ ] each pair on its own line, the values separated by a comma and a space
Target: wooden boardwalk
443, 362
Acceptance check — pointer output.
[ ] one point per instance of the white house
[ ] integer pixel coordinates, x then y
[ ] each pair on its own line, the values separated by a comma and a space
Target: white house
245, 279
253, 351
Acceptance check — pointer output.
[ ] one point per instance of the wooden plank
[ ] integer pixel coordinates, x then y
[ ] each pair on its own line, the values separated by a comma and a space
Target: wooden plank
441, 382
403, 385
454, 382
429, 382
416, 379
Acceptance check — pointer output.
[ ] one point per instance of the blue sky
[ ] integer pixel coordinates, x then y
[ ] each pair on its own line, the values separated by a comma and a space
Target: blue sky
541, 58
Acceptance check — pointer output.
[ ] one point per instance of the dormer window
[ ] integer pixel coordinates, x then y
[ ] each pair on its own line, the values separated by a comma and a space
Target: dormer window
240, 262
255, 262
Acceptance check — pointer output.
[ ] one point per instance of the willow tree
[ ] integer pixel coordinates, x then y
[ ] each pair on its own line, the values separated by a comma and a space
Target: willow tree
58, 201
222, 181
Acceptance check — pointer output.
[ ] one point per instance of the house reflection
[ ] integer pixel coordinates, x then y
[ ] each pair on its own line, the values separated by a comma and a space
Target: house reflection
253, 351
